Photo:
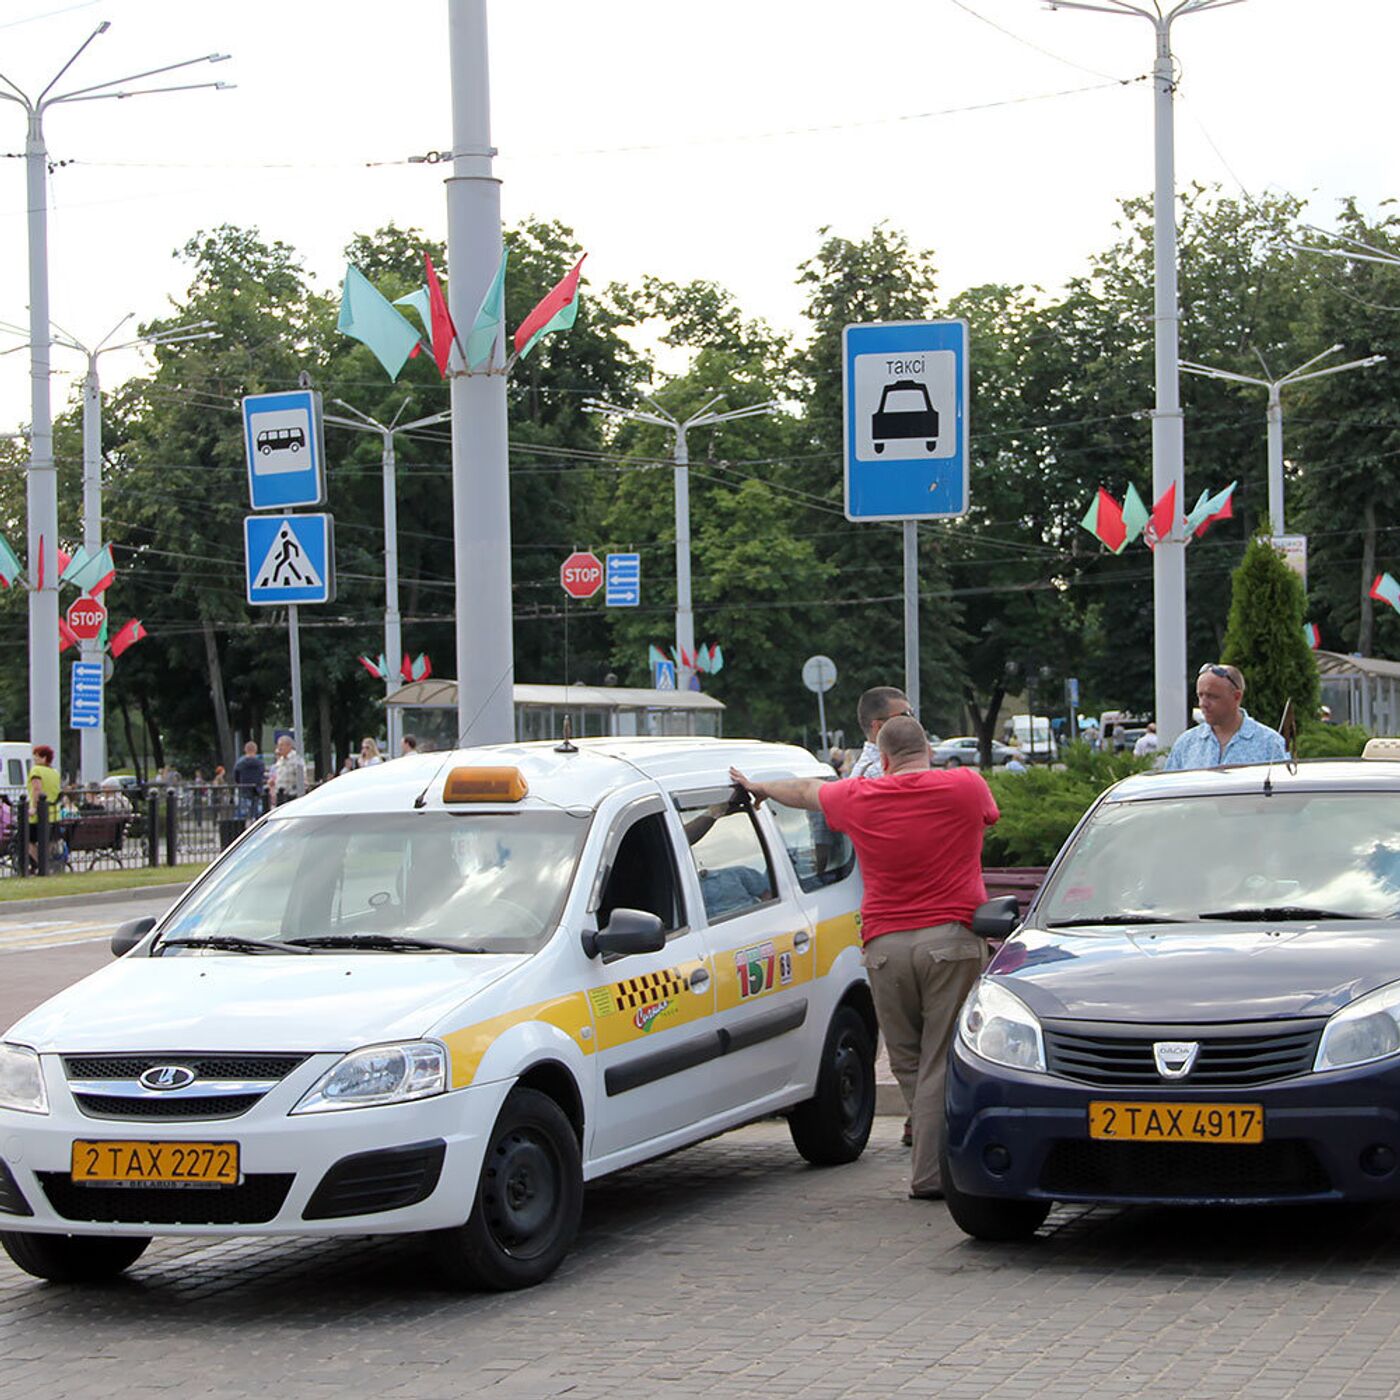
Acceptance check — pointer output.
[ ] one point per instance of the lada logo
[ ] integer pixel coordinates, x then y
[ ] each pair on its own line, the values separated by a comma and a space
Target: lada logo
1174, 1058
646, 1015
167, 1077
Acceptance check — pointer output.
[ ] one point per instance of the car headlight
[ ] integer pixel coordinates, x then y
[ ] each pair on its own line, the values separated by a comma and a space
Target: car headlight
22, 1080
1000, 1027
1368, 1029
379, 1074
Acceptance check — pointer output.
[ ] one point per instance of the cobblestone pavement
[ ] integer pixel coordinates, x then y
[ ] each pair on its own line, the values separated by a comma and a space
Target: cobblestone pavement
734, 1270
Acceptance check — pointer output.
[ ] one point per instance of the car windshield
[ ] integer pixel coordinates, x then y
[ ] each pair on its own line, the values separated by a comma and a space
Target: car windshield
479, 882
1290, 855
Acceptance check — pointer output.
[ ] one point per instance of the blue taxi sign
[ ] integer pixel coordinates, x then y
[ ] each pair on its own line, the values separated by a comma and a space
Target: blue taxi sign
284, 442
906, 387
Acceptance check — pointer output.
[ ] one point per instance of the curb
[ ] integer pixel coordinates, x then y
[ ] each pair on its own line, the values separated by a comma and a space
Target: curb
69, 901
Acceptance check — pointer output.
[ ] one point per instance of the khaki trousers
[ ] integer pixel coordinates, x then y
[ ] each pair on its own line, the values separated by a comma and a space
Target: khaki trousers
919, 979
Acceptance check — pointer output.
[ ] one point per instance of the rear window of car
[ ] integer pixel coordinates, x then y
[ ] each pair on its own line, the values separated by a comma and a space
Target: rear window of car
1185, 858
819, 855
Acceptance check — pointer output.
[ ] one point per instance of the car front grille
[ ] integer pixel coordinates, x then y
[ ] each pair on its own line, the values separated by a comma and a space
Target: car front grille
204, 1066
1182, 1171
225, 1086
255, 1201
1119, 1057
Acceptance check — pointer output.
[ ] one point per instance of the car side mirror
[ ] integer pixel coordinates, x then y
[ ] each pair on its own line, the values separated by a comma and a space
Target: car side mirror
997, 918
129, 934
628, 931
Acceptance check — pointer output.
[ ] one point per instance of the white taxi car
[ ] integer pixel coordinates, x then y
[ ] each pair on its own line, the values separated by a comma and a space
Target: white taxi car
439, 995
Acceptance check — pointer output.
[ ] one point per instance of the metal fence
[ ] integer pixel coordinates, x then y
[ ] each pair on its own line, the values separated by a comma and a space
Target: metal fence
123, 828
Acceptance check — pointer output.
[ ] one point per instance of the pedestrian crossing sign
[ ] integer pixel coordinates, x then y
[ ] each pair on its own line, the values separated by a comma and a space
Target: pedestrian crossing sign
290, 559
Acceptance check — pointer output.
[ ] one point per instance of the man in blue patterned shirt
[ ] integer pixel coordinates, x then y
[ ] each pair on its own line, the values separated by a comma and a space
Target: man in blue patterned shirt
1226, 734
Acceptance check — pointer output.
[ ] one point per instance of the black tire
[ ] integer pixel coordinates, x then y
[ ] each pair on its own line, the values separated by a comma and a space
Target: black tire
528, 1201
991, 1218
953, 763
833, 1126
73, 1258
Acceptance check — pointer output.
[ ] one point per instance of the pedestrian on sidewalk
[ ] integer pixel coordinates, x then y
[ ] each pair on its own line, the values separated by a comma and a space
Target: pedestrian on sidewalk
287, 781
918, 834
43, 782
249, 779
1226, 733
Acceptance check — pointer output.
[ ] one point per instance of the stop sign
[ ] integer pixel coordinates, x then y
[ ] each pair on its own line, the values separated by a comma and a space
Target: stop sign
85, 617
581, 574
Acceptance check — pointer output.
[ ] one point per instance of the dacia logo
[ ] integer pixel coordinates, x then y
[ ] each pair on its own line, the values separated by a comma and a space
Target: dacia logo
167, 1077
1174, 1058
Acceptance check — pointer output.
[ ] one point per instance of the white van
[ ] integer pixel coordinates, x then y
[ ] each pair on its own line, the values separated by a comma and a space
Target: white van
439, 995
14, 768
1034, 739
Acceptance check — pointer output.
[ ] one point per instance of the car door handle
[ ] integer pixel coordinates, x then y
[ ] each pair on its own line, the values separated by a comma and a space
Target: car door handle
801, 941
699, 979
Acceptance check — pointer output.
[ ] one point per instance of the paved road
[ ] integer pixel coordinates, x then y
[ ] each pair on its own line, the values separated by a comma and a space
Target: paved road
43, 950
732, 1270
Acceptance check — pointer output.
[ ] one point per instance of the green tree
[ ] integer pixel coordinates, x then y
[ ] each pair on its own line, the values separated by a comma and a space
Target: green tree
1264, 637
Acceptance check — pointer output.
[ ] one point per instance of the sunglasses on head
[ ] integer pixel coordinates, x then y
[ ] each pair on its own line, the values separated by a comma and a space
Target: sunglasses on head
1212, 669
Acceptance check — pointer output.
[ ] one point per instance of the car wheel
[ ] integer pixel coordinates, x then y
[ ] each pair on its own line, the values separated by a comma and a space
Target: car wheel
952, 763
73, 1258
528, 1201
991, 1218
833, 1126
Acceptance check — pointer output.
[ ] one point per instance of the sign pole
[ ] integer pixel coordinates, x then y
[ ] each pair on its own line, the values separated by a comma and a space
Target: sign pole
480, 480
821, 719
294, 638
911, 613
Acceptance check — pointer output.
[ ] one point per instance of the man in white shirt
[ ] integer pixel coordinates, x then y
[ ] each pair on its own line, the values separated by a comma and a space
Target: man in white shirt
1146, 745
878, 704
288, 777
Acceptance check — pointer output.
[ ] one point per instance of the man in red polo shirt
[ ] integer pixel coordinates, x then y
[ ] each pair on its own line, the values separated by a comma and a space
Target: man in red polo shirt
918, 835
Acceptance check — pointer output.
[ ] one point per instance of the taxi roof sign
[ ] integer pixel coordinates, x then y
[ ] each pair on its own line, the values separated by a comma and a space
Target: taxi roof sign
469, 784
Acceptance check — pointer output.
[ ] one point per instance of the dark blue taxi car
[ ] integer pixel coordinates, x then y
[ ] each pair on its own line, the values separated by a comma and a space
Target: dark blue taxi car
1202, 1004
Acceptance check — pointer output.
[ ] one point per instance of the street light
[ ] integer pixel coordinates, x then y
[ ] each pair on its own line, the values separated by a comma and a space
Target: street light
1168, 445
701, 418
93, 765
393, 644
42, 483
1274, 413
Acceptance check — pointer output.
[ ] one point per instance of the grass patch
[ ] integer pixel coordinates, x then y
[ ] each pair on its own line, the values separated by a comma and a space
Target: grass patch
95, 881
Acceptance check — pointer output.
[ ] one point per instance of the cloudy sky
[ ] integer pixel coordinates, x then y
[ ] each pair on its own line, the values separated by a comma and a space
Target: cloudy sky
711, 140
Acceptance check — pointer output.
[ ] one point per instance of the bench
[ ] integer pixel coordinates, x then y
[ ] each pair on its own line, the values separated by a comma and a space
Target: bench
98, 836
1021, 880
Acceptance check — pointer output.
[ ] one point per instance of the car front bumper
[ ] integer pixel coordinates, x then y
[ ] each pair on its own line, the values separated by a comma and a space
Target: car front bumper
1327, 1137
431, 1148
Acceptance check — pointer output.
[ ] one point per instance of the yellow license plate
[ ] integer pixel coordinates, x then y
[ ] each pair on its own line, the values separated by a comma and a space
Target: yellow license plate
1177, 1122
161, 1163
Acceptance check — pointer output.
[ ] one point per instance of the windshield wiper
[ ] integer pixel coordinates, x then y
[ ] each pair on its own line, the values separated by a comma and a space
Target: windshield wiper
228, 942
1109, 919
390, 942
1279, 911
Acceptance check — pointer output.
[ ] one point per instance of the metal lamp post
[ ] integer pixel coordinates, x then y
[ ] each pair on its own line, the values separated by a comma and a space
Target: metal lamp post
1274, 413
93, 762
1168, 439
42, 482
702, 418
393, 643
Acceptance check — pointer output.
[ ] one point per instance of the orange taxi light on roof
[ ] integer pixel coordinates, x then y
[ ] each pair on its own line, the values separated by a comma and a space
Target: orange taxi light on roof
485, 785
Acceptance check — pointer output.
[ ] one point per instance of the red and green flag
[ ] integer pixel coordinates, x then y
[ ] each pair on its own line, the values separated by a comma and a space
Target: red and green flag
556, 311
1385, 590
1312, 635
131, 633
486, 328
1209, 509
444, 332
1163, 518
9, 564
1104, 521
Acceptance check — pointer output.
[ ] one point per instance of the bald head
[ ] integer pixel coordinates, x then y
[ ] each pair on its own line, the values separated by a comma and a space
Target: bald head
903, 743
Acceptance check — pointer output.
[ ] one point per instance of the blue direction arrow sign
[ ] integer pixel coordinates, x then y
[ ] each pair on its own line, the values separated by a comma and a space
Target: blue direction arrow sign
291, 558
623, 580
285, 446
85, 696
906, 392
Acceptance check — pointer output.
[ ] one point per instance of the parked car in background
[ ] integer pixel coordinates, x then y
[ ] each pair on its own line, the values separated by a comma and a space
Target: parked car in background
963, 753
